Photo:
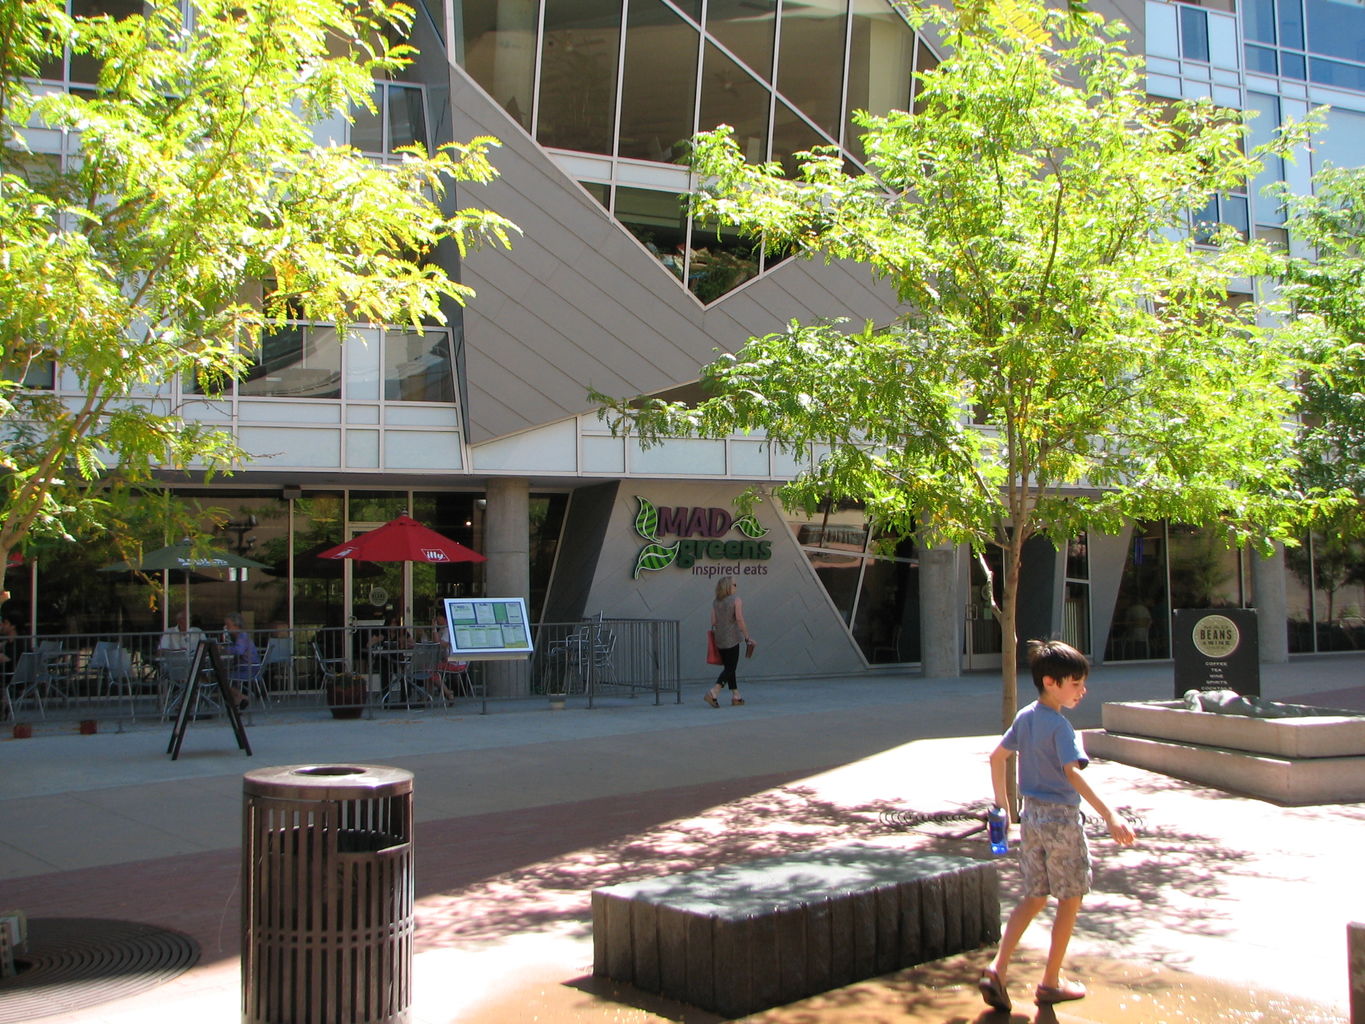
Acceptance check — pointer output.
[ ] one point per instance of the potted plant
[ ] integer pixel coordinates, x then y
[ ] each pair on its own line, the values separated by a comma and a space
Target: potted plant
556, 698
346, 693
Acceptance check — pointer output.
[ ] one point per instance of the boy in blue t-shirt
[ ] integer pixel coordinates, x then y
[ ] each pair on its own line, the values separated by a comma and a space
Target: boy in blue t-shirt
1053, 856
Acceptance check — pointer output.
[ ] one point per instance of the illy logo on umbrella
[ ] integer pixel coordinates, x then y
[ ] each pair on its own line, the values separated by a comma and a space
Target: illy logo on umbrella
434, 555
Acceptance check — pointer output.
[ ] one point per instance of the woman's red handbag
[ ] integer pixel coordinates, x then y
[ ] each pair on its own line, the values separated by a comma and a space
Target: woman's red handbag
712, 654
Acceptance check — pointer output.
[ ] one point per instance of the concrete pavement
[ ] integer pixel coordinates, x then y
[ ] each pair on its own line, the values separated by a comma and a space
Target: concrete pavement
1226, 902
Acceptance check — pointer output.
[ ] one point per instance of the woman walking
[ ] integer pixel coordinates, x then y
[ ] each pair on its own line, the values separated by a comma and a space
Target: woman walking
727, 621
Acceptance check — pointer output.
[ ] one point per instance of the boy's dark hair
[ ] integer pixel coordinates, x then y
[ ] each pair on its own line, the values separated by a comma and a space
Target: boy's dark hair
1057, 659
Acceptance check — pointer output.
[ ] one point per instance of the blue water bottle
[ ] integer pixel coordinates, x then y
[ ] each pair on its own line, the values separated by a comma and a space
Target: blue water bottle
998, 825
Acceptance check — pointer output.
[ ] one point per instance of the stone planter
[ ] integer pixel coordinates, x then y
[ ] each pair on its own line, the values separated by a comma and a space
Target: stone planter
556, 701
346, 695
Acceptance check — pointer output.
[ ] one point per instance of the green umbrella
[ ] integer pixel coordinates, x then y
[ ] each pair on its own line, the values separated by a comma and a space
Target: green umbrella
185, 557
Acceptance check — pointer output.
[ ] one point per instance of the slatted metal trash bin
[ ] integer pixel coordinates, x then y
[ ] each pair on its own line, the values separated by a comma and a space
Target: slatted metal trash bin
327, 895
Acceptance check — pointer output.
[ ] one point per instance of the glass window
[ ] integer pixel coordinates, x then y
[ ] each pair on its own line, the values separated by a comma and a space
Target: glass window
319, 523
1262, 130
719, 262
578, 75
1258, 20
1334, 568
1331, 72
407, 123
1291, 24
881, 59
85, 68
1205, 572
660, 83
1343, 143
746, 28
1299, 597
1078, 558
1262, 59
809, 60
417, 366
659, 221
1292, 65
599, 191
1335, 29
1194, 33
495, 41
1076, 616
459, 516
295, 362
367, 127
886, 621
730, 96
1141, 625
791, 135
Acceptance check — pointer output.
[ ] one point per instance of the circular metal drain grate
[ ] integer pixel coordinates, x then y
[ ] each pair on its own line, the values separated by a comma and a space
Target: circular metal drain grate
76, 962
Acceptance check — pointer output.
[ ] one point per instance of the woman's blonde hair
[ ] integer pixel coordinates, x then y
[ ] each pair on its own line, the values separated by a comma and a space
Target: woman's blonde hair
725, 586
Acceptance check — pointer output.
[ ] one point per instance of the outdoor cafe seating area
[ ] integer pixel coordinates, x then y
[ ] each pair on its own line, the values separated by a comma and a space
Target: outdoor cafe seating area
143, 677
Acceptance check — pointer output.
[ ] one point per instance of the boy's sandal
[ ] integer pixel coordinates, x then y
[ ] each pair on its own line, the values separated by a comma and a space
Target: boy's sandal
993, 991
1062, 993
711, 700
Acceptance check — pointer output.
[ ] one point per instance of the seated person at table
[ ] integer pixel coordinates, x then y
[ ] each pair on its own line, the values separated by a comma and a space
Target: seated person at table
244, 658
11, 646
442, 636
183, 637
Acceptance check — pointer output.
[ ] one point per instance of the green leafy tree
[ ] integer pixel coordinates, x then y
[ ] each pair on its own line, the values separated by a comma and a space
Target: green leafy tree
198, 214
1327, 289
1068, 357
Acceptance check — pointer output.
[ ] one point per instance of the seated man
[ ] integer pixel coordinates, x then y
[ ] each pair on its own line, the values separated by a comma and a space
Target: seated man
245, 658
182, 637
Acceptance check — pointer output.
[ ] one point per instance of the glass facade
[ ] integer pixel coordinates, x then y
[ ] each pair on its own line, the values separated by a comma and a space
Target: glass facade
872, 581
302, 590
631, 81
1320, 41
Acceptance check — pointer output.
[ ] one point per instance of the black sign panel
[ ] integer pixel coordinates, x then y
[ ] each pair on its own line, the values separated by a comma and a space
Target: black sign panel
1217, 649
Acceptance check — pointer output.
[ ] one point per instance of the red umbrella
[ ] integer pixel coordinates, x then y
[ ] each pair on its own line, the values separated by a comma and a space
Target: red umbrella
403, 540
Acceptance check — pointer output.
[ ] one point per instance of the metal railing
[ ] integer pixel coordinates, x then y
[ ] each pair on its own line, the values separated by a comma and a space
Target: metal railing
140, 676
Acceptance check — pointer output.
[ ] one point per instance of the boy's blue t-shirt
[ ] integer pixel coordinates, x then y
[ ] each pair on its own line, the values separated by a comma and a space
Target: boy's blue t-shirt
1046, 744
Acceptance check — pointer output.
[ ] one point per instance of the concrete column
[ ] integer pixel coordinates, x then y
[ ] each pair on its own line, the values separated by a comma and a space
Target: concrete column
940, 612
1272, 607
507, 543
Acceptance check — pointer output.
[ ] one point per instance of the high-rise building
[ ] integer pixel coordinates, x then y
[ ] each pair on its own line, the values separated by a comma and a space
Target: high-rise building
484, 430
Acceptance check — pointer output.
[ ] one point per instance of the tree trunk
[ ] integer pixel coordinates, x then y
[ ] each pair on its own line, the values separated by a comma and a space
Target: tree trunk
1009, 660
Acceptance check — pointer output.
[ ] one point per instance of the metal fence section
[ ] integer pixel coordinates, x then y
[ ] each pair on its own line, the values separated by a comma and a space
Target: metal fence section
131, 677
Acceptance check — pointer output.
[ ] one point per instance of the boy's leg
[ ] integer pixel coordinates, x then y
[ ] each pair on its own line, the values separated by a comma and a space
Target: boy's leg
1062, 927
1019, 920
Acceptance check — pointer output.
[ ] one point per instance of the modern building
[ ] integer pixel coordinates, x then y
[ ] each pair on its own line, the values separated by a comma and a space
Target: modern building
485, 431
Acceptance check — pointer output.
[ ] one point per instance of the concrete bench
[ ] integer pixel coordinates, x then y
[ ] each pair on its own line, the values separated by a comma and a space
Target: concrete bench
743, 938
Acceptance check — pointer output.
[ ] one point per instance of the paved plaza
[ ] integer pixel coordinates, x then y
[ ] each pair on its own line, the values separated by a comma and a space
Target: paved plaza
1228, 908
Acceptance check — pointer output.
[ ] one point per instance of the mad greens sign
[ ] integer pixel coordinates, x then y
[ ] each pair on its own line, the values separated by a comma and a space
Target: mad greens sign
703, 535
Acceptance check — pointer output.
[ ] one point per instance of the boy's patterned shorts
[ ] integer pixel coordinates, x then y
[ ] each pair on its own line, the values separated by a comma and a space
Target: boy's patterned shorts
1054, 856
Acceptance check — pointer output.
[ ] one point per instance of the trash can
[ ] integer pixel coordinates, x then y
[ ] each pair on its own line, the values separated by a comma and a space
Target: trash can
327, 895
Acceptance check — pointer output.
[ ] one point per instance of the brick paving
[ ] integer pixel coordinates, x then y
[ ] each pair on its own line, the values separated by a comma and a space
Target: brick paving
1177, 929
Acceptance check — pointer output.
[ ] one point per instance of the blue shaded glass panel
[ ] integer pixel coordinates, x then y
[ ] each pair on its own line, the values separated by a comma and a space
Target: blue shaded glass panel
1262, 59
1331, 72
1258, 20
1292, 66
1194, 33
407, 124
1336, 29
1291, 24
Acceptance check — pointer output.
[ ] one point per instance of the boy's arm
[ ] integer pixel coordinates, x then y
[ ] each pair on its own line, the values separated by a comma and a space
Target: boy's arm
1118, 828
1000, 759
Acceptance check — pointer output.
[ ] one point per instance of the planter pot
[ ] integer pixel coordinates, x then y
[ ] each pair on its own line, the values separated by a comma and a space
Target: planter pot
22, 731
556, 701
89, 727
346, 695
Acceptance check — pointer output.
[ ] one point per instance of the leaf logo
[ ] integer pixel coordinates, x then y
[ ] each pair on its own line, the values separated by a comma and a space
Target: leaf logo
646, 521
654, 557
750, 527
